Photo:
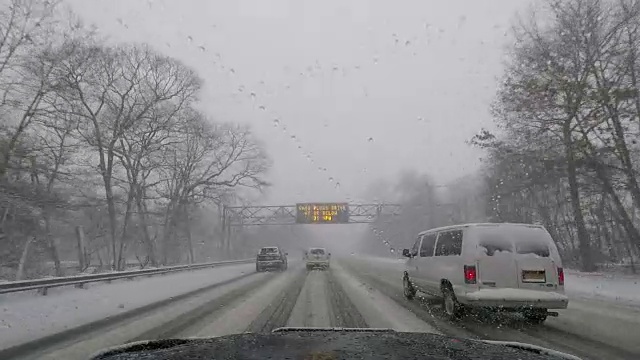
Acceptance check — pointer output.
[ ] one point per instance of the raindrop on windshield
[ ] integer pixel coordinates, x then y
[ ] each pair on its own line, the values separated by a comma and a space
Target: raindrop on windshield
202, 48
337, 184
276, 122
331, 179
189, 39
262, 107
370, 139
253, 96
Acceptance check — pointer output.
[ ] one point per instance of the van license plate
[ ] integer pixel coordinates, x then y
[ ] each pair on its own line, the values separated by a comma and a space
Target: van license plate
534, 276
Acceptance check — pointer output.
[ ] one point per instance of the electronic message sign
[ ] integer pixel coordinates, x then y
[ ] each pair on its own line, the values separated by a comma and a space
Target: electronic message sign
322, 213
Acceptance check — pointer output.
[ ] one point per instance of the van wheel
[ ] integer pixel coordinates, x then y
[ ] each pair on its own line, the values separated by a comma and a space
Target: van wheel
452, 308
408, 289
535, 316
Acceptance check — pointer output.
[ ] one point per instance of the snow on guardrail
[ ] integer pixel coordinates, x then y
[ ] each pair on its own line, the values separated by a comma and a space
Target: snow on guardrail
44, 284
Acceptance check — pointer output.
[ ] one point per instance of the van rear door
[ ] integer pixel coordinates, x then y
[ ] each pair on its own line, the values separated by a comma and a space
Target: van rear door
537, 259
495, 257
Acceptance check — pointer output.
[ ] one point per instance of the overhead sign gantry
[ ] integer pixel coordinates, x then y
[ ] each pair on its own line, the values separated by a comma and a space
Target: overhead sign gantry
304, 213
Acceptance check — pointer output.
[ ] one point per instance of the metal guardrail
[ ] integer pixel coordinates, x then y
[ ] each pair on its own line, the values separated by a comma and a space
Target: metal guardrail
44, 284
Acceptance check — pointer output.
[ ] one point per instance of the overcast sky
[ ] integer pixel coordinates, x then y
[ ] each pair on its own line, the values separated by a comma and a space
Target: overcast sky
363, 88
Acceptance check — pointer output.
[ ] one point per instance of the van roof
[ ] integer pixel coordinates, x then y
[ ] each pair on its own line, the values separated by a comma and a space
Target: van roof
459, 226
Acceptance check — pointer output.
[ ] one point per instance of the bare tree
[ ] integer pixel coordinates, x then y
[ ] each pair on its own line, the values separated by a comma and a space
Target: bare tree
209, 160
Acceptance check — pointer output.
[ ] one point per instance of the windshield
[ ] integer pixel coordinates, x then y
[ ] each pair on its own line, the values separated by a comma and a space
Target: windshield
175, 169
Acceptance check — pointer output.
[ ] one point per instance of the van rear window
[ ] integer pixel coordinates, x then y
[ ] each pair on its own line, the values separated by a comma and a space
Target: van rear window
492, 243
493, 240
317, 251
269, 250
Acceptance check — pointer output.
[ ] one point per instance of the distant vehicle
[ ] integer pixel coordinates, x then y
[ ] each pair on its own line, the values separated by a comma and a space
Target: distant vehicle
271, 257
514, 267
317, 258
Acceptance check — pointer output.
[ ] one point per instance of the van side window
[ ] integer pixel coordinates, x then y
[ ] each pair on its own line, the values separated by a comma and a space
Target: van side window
416, 245
449, 243
428, 242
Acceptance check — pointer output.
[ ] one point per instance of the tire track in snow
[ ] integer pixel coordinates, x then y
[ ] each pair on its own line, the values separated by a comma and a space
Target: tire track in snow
200, 315
346, 314
277, 313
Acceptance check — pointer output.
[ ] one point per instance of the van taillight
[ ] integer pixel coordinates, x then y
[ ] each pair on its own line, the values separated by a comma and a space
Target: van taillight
560, 276
470, 274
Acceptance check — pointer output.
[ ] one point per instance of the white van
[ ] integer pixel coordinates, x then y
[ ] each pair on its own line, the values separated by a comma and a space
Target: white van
508, 266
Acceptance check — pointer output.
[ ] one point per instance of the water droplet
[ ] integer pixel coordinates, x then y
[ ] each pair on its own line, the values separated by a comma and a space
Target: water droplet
407, 43
262, 107
241, 88
202, 48
331, 179
190, 39
299, 146
375, 59
276, 122
293, 137
253, 96
337, 185
370, 139
420, 118
231, 70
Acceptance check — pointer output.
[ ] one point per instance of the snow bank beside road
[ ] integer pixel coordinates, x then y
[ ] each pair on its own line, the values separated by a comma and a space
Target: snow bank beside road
623, 290
28, 316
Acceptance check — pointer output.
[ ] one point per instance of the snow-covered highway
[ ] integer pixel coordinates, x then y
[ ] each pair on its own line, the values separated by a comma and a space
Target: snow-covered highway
74, 323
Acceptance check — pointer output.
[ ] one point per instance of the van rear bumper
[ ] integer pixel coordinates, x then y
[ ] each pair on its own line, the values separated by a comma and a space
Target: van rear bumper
514, 298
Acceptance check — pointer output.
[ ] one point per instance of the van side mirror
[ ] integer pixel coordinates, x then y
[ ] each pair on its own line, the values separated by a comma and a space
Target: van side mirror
406, 253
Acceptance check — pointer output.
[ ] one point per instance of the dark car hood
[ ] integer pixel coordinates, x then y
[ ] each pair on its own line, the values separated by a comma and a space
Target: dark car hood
324, 343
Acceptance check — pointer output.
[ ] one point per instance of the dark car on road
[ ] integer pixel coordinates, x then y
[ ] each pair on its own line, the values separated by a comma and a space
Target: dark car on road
271, 257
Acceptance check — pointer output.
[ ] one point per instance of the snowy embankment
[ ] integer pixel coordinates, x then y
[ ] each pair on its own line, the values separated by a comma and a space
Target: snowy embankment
621, 289
29, 316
